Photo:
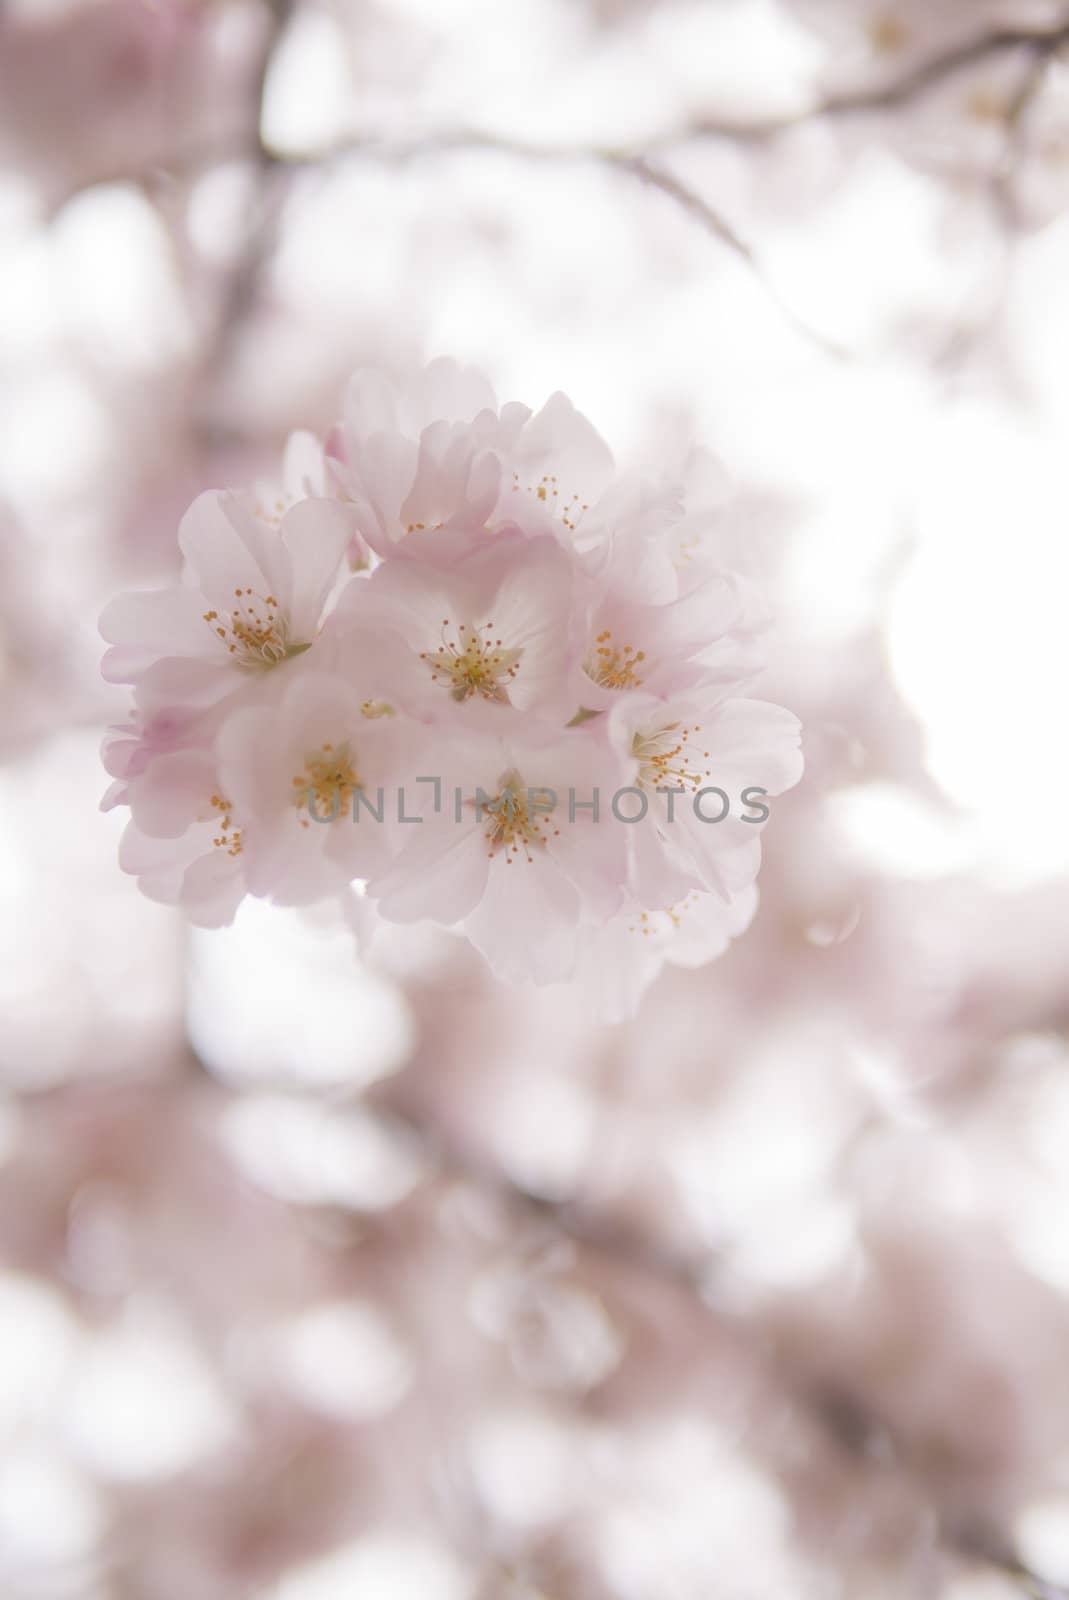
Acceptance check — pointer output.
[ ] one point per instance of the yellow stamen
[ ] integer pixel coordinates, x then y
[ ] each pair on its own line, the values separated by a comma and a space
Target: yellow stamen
667, 759
511, 826
326, 787
613, 667
473, 662
256, 632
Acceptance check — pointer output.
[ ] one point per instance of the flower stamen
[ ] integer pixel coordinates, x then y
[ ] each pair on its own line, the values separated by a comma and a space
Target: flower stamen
326, 787
473, 662
612, 667
256, 632
228, 838
649, 921
666, 758
570, 511
512, 826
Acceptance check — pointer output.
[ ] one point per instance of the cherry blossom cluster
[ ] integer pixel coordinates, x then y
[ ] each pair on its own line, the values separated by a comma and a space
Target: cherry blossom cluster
459, 664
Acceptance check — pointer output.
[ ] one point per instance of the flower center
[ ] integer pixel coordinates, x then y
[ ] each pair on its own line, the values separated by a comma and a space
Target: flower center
256, 632
228, 838
471, 661
612, 666
512, 826
666, 758
653, 922
569, 511
326, 787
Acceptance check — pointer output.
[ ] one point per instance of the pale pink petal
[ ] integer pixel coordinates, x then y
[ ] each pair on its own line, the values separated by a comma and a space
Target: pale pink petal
525, 924
252, 766
439, 875
454, 392
315, 534
212, 889
218, 558
142, 627
173, 791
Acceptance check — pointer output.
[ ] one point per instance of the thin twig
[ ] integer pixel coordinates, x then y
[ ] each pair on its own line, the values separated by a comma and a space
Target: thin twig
693, 203
1002, 195
927, 74
240, 287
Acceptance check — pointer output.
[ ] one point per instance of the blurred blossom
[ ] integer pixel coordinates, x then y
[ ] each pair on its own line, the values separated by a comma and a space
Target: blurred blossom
312, 1154
39, 1342
121, 1416
557, 1334
51, 1521
1043, 1532
343, 1360
691, 1509
321, 1020
524, 1467
152, 79
120, 996
393, 1565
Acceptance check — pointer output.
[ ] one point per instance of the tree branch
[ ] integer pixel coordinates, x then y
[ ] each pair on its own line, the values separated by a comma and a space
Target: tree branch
241, 285
691, 202
889, 96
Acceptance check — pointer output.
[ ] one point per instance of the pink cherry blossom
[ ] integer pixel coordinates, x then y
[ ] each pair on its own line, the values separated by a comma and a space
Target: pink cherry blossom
441, 455
495, 625
515, 844
410, 458
707, 634
705, 767
618, 959
312, 775
130, 747
256, 584
183, 842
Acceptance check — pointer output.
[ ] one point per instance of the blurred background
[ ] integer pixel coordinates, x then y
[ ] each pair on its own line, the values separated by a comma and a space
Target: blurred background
324, 1283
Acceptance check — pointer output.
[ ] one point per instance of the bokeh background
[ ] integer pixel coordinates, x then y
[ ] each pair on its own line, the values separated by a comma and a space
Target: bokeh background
327, 1283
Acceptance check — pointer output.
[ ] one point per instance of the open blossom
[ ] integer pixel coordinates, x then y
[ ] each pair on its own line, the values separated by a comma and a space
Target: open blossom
618, 959
513, 843
412, 459
492, 626
255, 589
703, 768
525, 718
706, 634
183, 842
311, 775
446, 457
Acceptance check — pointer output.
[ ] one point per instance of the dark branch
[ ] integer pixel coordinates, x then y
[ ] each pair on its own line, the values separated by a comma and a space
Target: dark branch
240, 287
886, 96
